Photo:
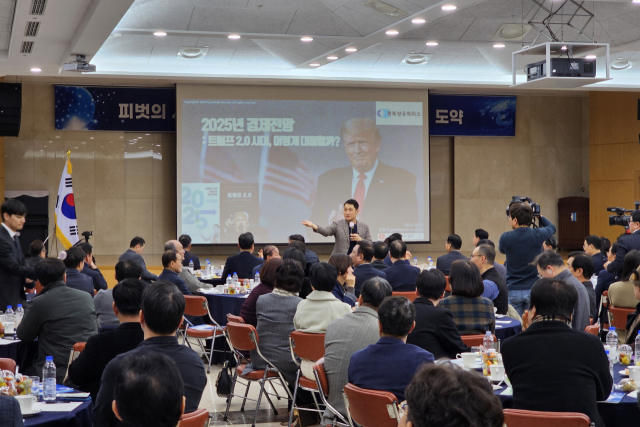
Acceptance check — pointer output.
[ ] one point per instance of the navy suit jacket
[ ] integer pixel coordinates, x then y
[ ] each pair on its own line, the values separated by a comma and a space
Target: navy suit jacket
188, 256
79, 281
172, 276
443, 263
364, 272
97, 278
13, 271
10, 415
131, 255
311, 257
388, 365
242, 264
402, 276
625, 244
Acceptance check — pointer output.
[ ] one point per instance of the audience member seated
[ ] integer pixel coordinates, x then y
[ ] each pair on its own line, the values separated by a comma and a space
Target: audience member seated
501, 269
345, 283
592, 247
390, 364
134, 253
353, 332
74, 261
172, 263
549, 358
298, 255
58, 317
495, 288
361, 257
86, 371
633, 319
269, 252
275, 313
392, 238
380, 253
581, 267
90, 268
190, 281
148, 391
551, 244
478, 235
312, 257
185, 241
472, 312
103, 301
453, 245
161, 314
401, 275
10, 414
242, 263
621, 294
605, 279
435, 329
267, 282
37, 252
445, 395
551, 266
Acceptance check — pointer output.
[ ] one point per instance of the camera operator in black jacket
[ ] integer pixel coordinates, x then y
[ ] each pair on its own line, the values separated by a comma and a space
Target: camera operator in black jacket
625, 244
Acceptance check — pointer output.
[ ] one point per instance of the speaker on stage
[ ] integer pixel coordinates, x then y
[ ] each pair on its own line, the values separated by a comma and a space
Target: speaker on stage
10, 108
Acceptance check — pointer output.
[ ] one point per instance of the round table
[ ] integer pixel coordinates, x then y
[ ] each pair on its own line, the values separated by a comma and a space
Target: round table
79, 417
507, 327
214, 282
222, 304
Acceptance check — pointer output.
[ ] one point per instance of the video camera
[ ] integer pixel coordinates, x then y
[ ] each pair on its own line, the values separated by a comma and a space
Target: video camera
620, 217
534, 206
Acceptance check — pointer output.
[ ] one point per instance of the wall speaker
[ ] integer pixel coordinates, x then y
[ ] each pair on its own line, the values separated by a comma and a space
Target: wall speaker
10, 108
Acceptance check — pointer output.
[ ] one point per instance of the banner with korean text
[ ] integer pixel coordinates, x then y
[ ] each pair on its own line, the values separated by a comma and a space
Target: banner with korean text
115, 108
464, 115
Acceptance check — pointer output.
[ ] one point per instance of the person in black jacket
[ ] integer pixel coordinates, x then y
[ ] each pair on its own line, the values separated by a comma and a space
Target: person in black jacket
243, 262
453, 245
435, 329
85, 372
37, 252
549, 357
172, 263
626, 243
484, 256
185, 241
90, 268
74, 261
401, 275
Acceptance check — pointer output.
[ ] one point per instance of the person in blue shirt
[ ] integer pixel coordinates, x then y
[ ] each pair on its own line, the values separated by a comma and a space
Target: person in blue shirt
390, 364
521, 245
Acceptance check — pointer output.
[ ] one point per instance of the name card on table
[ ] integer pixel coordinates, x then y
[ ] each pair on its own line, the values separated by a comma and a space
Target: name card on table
465, 115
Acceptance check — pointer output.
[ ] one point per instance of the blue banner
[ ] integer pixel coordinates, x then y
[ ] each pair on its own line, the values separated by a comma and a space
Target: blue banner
462, 115
115, 108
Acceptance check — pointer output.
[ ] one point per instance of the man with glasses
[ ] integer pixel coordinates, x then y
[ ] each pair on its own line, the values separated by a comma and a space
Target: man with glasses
625, 244
495, 288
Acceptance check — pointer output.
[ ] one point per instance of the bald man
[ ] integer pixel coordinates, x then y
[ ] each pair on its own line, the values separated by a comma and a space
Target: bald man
386, 194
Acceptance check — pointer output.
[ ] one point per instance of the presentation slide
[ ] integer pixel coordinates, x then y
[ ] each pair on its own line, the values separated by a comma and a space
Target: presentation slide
265, 165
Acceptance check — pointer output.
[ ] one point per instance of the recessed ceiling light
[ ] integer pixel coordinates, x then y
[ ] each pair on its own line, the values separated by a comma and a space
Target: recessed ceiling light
449, 7
432, 43
635, 1
159, 34
234, 36
332, 58
351, 49
36, 70
392, 33
498, 45
418, 21
147, 134
591, 56
315, 64
306, 39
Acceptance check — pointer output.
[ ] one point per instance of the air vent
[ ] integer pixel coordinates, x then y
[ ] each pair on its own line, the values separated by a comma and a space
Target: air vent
32, 29
38, 6
416, 59
27, 47
193, 52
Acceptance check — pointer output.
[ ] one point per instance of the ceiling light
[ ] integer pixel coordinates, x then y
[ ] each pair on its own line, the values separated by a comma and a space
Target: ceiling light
498, 45
234, 36
351, 49
418, 21
432, 43
511, 32
563, 48
591, 56
315, 64
635, 1
147, 134
36, 70
307, 39
392, 33
159, 34
332, 58
449, 7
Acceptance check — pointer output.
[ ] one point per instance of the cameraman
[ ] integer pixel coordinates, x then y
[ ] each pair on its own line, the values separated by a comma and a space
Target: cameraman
625, 244
521, 246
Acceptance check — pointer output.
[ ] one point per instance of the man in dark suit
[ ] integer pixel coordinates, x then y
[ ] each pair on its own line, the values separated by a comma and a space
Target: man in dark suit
13, 268
10, 414
380, 252
541, 361
375, 185
244, 262
625, 244
401, 275
389, 364
361, 257
435, 329
453, 245
75, 263
388, 241
86, 371
495, 287
185, 241
269, 252
160, 316
90, 268
312, 257
172, 263
134, 253
592, 245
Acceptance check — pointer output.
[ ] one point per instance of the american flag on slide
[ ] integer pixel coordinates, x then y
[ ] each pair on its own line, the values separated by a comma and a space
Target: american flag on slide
284, 173
216, 166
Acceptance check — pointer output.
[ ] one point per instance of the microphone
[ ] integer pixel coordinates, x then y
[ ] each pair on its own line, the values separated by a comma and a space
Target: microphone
351, 225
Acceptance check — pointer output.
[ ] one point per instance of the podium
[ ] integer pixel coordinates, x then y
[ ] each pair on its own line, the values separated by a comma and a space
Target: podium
573, 222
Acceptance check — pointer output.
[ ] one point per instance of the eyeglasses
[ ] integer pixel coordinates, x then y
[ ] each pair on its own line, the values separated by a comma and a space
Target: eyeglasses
472, 255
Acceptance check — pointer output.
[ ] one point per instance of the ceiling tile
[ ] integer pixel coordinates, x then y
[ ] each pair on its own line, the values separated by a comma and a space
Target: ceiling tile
447, 28
395, 46
320, 24
496, 9
356, 61
470, 65
225, 43
124, 54
483, 29
621, 30
297, 5
295, 52
160, 14
451, 49
608, 10
151, 41
334, 4
255, 59
363, 24
5, 37
268, 21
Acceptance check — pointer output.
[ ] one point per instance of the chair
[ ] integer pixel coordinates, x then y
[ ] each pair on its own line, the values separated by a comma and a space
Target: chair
522, 418
592, 329
233, 318
242, 337
370, 408
7, 364
448, 287
79, 346
198, 418
411, 296
618, 316
476, 340
310, 347
322, 383
197, 306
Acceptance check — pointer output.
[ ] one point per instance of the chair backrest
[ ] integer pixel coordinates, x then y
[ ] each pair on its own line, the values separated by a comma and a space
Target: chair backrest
618, 316
242, 337
79, 346
371, 408
448, 287
472, 340
522, 418
7, 364
197, 418
232, 318
307, 346
321, 376
411, 296
592, 329
195, 305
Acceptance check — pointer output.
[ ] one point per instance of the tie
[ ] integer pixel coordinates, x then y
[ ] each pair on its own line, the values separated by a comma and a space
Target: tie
359, 193
15, 242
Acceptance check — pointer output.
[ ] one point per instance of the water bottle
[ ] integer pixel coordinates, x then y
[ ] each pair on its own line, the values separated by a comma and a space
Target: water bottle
208, 270
229, 280
9, 315
430, 262
191, 266
487, 342
19, 314
256, 280
638, 350
49, 381
235, 279
610, 361
612, 342
415, 262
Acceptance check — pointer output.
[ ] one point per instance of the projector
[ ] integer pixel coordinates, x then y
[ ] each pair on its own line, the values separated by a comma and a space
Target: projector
80, 65
561, 67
